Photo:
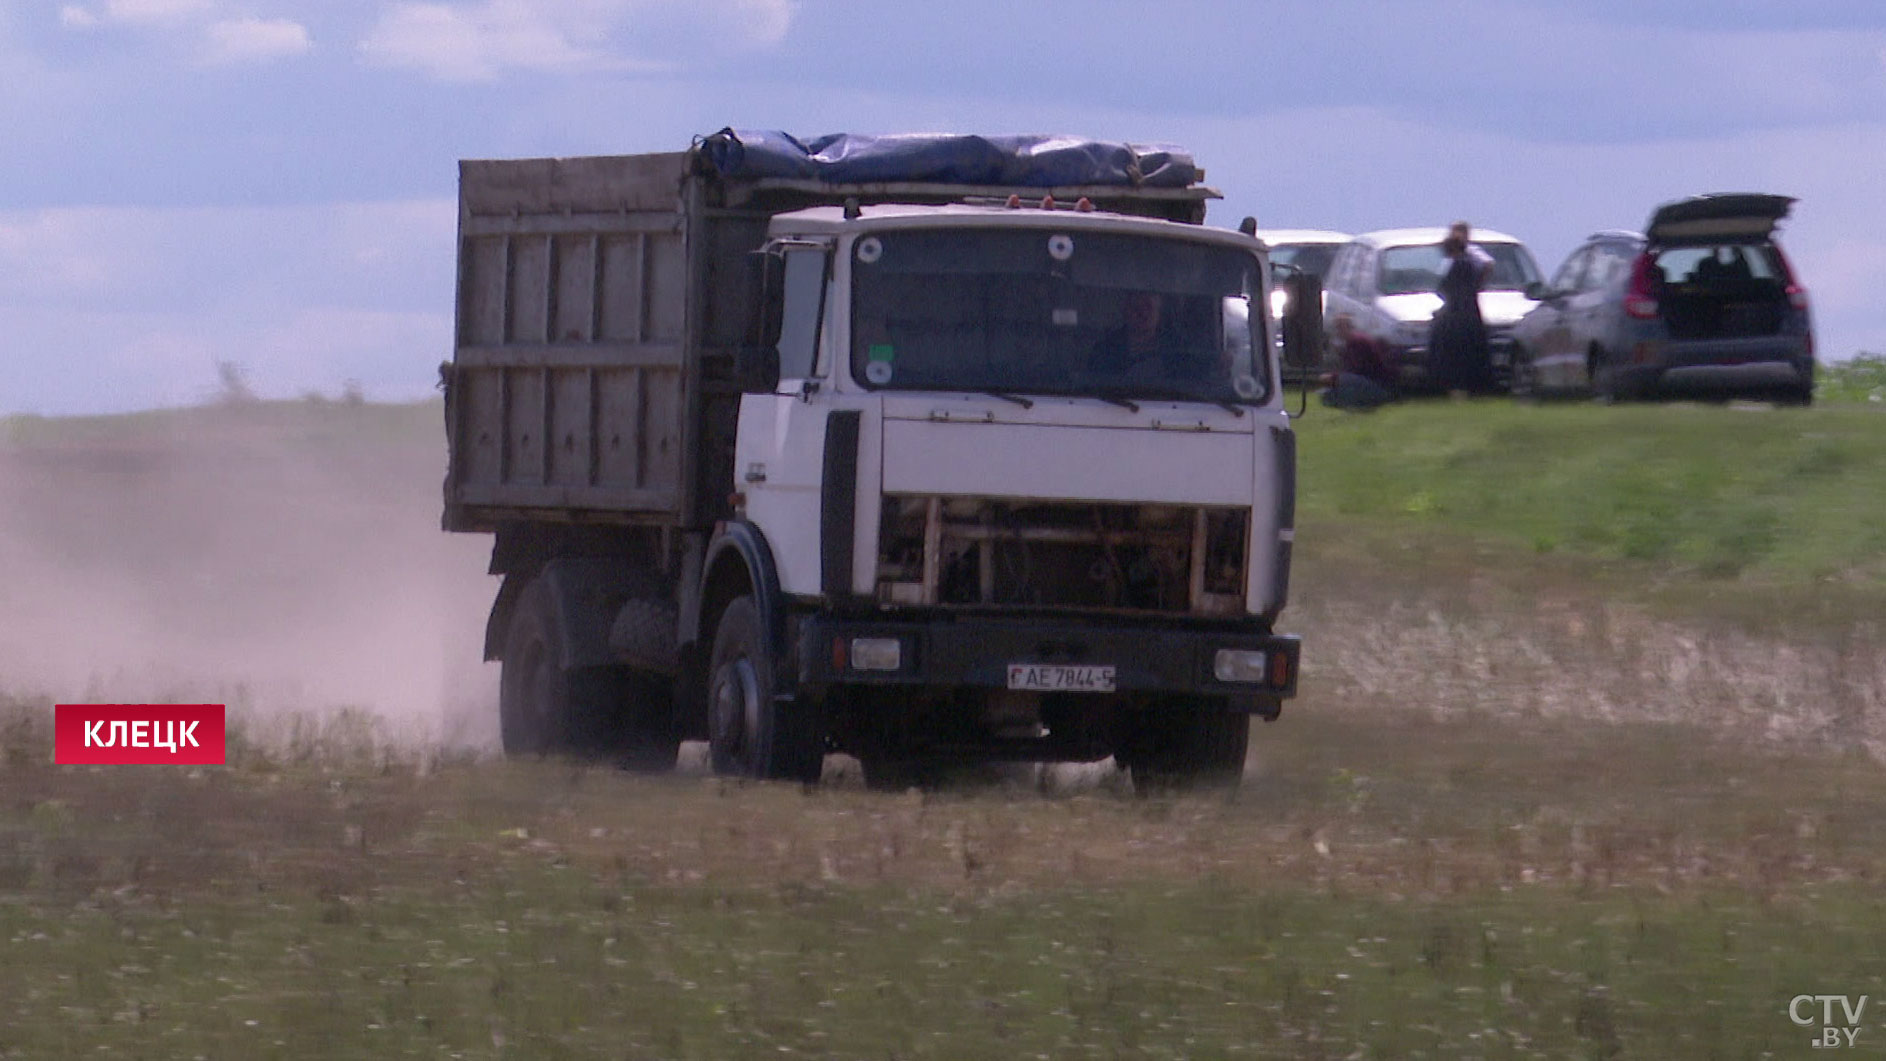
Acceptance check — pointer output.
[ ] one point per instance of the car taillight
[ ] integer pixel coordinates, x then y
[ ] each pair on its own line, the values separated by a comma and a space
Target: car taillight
1797, 295
1640, 300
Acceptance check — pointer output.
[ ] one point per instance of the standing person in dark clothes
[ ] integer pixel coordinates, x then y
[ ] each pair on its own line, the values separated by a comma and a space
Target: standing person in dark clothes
1459, 357
1364, 379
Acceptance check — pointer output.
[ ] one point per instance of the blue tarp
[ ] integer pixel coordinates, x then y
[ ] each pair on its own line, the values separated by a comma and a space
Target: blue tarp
946, 158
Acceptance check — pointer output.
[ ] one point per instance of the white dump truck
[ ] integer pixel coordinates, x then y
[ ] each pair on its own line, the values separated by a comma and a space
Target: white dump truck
921, 448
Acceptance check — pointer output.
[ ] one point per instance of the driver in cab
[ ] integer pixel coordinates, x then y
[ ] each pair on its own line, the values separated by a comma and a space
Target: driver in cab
1148, 346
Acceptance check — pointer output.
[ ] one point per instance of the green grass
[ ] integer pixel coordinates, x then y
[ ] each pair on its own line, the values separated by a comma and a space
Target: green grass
1774, 499
1383, 887
533, 961
1860, 378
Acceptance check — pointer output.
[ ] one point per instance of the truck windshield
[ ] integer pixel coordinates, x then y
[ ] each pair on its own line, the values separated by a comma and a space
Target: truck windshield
1056, 313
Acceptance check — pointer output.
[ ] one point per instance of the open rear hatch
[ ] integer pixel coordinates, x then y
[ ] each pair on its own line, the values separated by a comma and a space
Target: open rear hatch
1718, 272
1720, 217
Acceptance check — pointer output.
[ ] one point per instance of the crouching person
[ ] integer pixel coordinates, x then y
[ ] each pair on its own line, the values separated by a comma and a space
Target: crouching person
1364, 379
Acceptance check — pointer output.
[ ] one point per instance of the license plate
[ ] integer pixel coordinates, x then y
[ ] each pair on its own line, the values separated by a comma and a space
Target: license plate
1059, 678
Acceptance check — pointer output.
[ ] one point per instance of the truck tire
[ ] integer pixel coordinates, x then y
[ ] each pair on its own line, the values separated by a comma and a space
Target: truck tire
538, 701
1186, 744
749, 732
546, 709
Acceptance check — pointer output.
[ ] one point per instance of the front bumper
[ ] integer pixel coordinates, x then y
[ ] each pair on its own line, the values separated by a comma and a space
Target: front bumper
978, 651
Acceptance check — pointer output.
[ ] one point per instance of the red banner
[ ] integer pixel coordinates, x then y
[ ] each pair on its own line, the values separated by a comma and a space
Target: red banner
127, 734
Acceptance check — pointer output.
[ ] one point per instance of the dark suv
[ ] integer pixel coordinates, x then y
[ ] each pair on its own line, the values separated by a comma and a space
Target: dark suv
1701, 304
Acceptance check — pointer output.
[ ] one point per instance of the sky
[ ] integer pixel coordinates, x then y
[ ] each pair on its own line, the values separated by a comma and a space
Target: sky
270, 183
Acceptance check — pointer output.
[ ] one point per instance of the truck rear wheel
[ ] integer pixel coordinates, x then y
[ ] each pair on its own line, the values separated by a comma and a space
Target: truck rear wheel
546, 709
750, 733
1187, 744
537, 700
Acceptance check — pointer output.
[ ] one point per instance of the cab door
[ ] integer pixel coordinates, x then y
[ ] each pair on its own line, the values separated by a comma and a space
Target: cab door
780, 449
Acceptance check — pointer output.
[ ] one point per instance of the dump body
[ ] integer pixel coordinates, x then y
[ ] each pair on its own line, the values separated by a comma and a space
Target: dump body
574, 387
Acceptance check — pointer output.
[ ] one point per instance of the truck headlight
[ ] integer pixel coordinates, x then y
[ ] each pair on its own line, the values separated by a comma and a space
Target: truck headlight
876, 653
1241, 665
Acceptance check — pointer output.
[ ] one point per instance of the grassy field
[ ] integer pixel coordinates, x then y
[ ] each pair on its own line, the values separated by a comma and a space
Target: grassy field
1861, 378
1777, 498
1587, 764
1382, 887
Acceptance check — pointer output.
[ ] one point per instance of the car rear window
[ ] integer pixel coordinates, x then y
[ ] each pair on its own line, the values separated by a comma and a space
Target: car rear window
1708, 263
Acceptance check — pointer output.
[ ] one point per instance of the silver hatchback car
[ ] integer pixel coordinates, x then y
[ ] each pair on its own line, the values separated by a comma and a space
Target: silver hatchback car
1702, 303
1384, 282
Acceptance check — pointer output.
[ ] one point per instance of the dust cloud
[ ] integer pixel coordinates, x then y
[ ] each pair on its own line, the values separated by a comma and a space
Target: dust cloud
282, 558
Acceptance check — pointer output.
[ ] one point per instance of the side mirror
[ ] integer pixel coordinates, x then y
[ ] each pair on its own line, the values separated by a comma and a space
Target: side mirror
756, 369
1538, 292
1303, 321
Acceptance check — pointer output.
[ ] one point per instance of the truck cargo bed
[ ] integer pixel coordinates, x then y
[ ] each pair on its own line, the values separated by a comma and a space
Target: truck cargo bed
570, 382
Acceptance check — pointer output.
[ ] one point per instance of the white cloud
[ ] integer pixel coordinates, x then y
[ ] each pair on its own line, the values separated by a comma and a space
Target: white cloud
457, 41
254, 40
156, 11
72, 16
52, 254
759, 23
474, 44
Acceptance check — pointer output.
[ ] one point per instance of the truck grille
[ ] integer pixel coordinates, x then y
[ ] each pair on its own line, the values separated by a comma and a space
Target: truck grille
1004, 553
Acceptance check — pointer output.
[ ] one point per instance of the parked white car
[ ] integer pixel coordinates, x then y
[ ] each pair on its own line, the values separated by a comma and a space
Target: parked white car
1384, 283
1309, 249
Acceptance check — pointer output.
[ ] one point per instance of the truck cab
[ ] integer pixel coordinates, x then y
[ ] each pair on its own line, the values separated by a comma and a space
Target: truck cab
1025, 471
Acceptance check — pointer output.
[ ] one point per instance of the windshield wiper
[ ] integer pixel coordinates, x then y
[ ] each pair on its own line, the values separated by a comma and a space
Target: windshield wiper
1007, 397
1176, 394
1130, 406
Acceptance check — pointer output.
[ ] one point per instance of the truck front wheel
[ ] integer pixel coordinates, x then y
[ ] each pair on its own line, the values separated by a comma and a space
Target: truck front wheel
1187, 743
749, 732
